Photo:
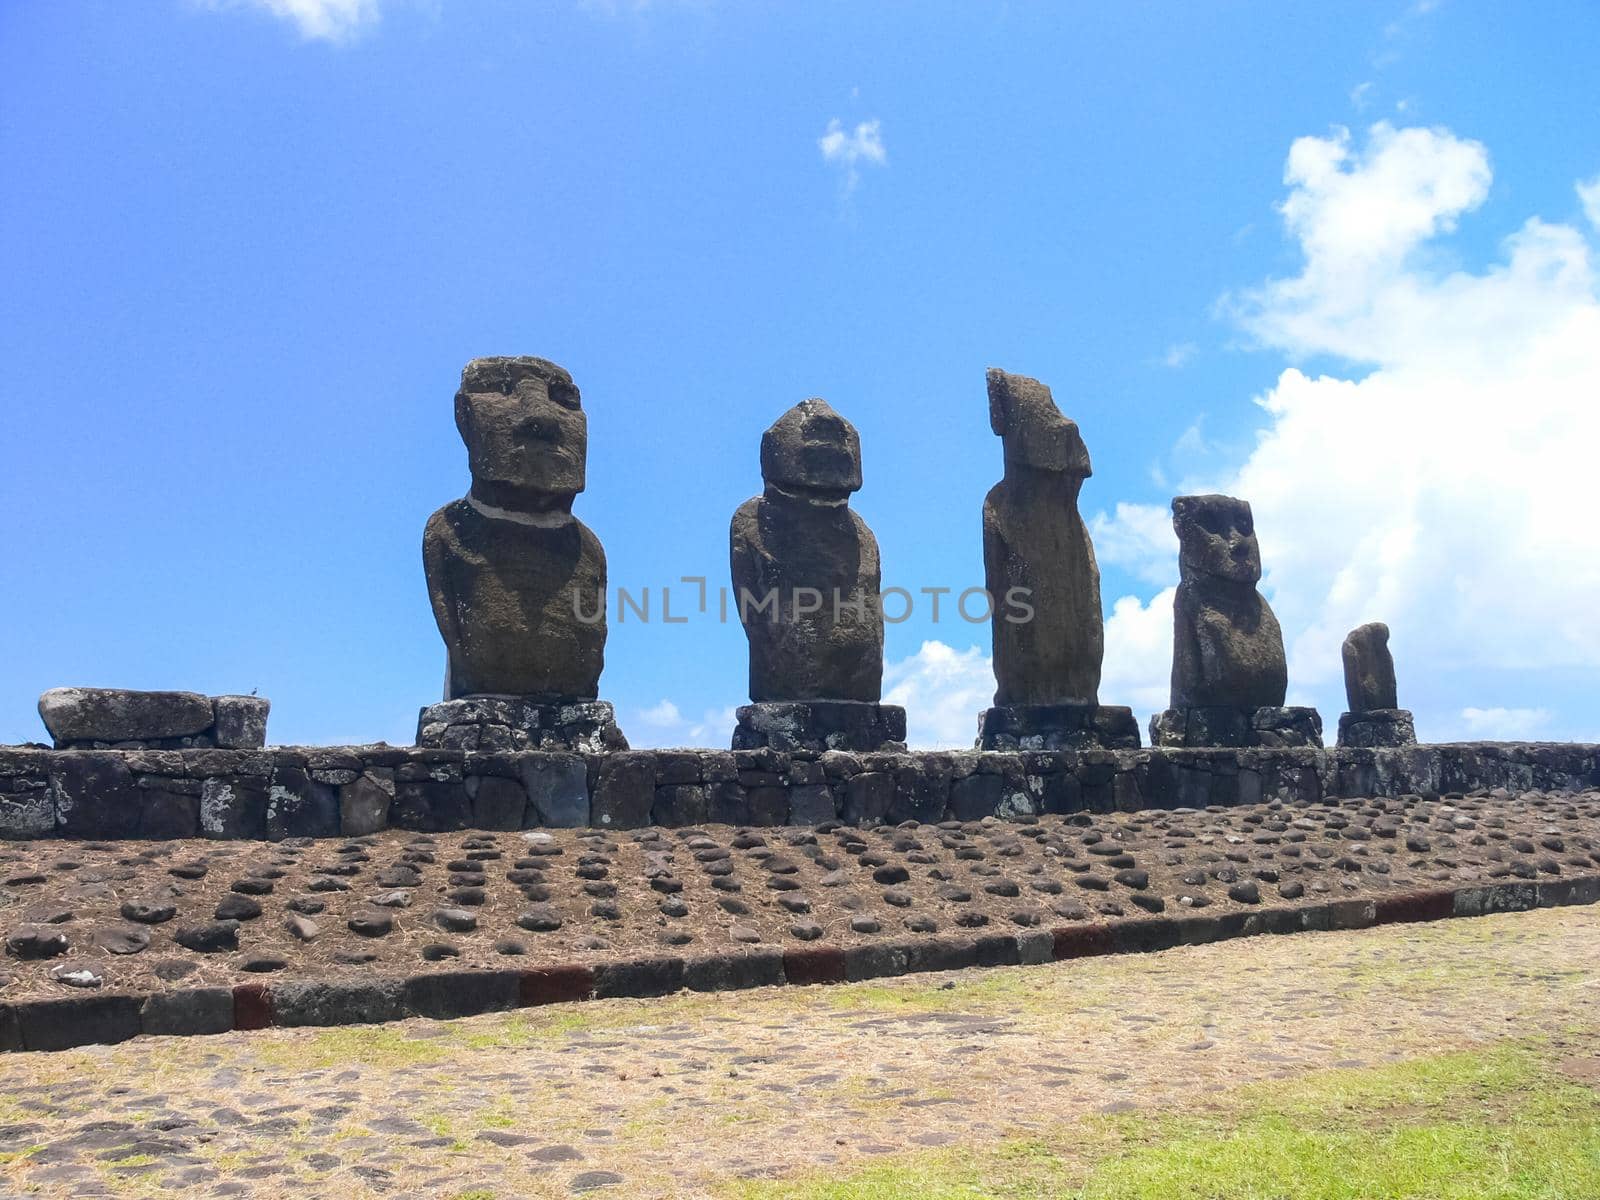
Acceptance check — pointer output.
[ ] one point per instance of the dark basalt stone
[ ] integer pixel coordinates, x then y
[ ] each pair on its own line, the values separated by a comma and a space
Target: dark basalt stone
818, 725
120, 715
1036, 548
805, 567
1377, 728
1369, 669
1228, 647
508, 564
1058, 727
518, 723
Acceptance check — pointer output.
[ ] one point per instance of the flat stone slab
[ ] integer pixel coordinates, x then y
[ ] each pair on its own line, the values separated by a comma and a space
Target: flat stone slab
119, 718
141, 917
1058, 727
820, 725
515, 723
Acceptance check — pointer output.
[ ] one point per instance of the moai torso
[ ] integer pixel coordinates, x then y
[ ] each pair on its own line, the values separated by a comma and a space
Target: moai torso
1035, 540
1369, 669
805, 567
1227, 647
504, 594
516, 581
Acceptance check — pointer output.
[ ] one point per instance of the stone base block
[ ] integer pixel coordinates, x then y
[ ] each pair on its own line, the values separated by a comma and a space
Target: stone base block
818, 725
122, 719
505, 723
1058, 727
1380, 727
1275, 728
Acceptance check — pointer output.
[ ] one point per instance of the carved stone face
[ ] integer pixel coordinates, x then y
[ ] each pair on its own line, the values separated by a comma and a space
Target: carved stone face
523, 423
1217, 536
812, 451
1024, 413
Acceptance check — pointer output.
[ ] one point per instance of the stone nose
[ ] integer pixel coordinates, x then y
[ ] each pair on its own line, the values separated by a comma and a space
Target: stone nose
539, 429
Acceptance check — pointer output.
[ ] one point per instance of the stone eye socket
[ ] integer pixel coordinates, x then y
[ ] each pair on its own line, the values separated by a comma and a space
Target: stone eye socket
565, 395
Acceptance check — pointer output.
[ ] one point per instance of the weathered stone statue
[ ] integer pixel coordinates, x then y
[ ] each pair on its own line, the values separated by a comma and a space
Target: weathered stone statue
1375, 717
1229, 673
805, 578
1036, 547
517, 582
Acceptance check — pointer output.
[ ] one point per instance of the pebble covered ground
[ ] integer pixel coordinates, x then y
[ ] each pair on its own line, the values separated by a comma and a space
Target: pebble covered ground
685, 1096
143, 916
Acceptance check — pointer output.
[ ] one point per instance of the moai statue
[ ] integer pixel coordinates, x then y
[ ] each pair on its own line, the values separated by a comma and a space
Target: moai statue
517, 582
1229, 673
1375, 717
1036, 550
805, 578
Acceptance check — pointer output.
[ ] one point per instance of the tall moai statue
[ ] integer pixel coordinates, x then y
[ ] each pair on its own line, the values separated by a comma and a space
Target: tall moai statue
1375, 717
1229, 672
516, 581
806, 578
1048, 645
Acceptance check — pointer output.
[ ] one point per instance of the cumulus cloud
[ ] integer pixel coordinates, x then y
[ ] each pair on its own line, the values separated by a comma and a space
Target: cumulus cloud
942, 690
851, 149
1504, 724
1442, 482
317, 20
1138, 661
1589, 194
663, 724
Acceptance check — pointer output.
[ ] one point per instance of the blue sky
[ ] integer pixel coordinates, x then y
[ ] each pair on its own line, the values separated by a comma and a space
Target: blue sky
1337, 258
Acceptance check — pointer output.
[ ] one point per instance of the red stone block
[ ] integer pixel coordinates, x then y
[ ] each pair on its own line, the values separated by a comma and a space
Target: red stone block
814, 964
1432, 905
555, 985
1083, 941
252, 1006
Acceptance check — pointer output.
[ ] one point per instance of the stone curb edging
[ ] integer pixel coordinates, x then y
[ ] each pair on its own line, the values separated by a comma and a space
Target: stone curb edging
62, 1023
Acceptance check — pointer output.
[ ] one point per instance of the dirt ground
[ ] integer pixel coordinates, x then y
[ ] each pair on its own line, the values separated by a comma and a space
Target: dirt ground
679, 1097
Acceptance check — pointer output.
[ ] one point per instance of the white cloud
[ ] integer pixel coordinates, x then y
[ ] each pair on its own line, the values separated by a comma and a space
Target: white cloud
663, 724
1179, 354
1138, 662
1589, 194
325, 20
942, 690
1504, 724
850, 150
1361, 95
1139, 539
1446, 489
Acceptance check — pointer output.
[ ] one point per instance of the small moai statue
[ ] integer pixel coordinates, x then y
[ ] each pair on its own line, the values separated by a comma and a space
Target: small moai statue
1229, 671
806, 577
516, 581
1375, 717
1049, 644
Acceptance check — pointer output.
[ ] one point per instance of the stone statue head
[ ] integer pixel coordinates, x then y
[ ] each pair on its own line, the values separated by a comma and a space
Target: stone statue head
812, 451
1217, 537
1035, 434
527, 438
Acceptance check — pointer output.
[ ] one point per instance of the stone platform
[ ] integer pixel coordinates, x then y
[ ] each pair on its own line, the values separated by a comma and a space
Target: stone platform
326, 791
1380, 727
105, 942
814, 726
520, 723
1272, 728
1058, 727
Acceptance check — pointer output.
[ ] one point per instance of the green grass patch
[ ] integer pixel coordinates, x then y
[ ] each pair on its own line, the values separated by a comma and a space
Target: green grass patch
1494, 1124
